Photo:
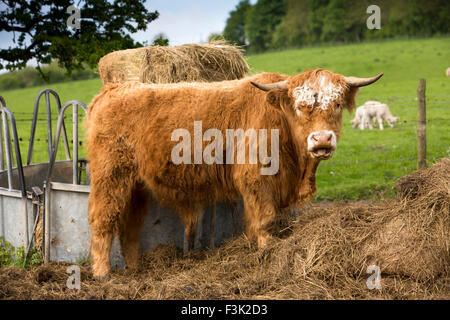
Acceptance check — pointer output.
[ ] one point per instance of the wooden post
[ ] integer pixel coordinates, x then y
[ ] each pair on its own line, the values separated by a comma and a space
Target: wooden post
421, 126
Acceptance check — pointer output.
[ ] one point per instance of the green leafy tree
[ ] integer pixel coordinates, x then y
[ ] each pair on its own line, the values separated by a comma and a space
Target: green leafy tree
234, 30
293, 28
334, 26
261, 21
160, 40
41, 31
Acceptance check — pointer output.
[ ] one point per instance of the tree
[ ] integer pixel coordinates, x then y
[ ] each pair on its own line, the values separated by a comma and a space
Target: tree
334, 26
293, 28
41, 31
160, 40
261, 21
215, 37
234, 30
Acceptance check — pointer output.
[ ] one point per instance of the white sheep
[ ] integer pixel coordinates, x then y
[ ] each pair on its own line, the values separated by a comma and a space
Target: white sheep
373, 111
360, 118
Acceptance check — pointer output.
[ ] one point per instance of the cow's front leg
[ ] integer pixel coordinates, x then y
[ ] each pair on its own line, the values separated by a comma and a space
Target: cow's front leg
308, 182
259, 213
189, 235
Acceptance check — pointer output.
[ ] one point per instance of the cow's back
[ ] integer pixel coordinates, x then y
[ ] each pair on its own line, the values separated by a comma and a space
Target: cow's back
137, 120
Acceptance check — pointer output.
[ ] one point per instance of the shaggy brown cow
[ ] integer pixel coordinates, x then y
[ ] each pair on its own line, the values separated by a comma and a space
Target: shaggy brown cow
131, 145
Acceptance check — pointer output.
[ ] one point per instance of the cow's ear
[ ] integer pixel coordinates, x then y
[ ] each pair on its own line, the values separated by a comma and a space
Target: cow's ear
350, 97
278, 98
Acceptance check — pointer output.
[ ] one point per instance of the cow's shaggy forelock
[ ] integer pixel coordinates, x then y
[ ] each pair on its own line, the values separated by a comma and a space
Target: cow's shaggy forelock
321, 90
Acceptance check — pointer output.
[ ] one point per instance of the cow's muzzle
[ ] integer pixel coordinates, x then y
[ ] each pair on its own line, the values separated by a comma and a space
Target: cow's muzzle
321, 144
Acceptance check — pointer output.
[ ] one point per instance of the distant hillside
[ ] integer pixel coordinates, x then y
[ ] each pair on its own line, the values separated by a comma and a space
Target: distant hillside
276, 24
30, 77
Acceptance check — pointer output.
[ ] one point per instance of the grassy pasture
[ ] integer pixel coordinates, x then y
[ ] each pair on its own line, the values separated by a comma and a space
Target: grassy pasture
367, 162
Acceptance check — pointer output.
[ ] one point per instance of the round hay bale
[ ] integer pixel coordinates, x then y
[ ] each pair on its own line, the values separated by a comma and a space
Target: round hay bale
215, 61
120, 66
447, 72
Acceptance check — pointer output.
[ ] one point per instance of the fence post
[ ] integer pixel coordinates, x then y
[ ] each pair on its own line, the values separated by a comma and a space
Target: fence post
421, 126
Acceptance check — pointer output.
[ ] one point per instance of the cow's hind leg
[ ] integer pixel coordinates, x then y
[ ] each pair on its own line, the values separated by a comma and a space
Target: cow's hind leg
199, 231
212, 227
108, 200
190, 220
131, 223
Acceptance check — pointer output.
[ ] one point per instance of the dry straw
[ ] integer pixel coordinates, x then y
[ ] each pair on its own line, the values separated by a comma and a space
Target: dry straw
215, 61
325, 256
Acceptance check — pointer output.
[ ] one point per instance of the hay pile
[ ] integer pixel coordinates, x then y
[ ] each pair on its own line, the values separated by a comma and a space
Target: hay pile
215, 61
414, 240
325, 257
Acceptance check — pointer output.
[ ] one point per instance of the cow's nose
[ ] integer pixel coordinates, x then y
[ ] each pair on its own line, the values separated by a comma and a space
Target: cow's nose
322, 137
321, 144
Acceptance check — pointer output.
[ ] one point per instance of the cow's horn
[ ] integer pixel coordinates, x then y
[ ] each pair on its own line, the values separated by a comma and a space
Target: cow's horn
267, 87
361, 82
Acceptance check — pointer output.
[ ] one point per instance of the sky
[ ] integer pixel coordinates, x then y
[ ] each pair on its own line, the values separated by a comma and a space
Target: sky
187, 21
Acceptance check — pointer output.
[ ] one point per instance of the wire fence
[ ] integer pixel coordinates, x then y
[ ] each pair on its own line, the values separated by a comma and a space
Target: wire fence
363, 159
367, 159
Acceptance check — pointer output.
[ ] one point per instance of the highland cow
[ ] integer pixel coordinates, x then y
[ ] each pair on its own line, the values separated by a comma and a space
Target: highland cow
130, 128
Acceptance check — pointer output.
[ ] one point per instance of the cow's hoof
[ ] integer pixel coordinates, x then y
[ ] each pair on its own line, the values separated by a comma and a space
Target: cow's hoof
263, 241
101, 273
102, 278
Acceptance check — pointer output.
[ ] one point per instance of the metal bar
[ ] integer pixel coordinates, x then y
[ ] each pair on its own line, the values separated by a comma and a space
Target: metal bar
25, 216
10, 193
65, 140
49, 124
47, 233
7, 140
35, 119
17, 151
70, 187
2, 159
36, 219
75, 143
33, 126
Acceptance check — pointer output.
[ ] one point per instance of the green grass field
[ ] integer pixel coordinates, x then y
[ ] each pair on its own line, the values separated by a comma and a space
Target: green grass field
367, 162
